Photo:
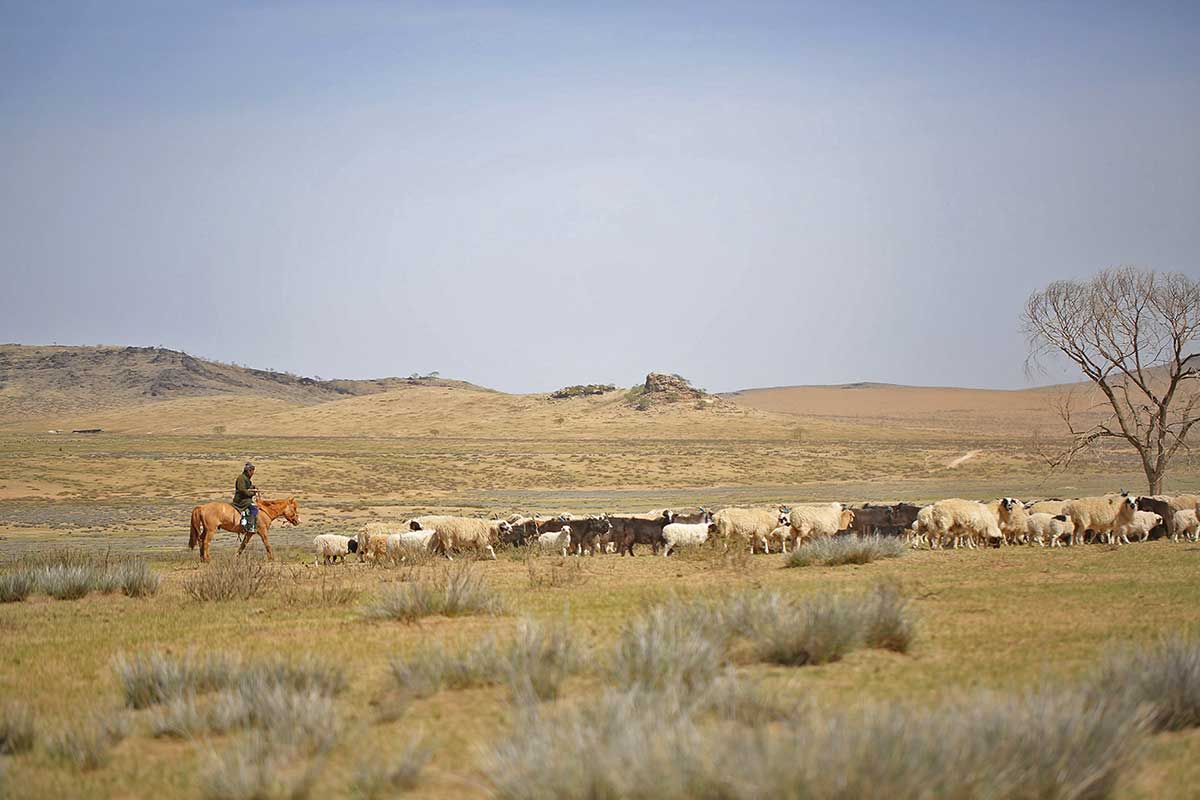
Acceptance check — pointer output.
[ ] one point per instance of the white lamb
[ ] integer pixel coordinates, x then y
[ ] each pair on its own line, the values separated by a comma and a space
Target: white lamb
1187, 524
555, 541
1139, 527
1042, 527
331, 547
678, 533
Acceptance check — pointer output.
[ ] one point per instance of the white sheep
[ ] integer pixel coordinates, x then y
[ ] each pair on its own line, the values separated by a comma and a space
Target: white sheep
962, 521
332, 547
810, 521
1099, 514
1013, 519
1042, 527
677, 533
555, 541
455, 534
1139, 526
407, 542
751, 526
1186, 523
1051, 507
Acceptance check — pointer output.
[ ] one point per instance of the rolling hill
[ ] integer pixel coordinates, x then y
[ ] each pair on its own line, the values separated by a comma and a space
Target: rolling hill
161, 391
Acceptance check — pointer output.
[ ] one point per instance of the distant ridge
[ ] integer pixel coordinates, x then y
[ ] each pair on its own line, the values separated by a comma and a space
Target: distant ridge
40, 380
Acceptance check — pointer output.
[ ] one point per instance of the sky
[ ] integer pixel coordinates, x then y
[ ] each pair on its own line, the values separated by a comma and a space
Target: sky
530, 195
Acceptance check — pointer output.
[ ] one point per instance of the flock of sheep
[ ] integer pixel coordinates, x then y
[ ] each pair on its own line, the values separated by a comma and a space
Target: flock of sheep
1116, 518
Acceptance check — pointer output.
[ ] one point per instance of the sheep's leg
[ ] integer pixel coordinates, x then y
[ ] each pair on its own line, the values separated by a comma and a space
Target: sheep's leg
491, 552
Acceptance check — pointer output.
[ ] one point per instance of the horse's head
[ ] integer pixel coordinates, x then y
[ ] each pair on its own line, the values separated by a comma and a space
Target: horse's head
290, 512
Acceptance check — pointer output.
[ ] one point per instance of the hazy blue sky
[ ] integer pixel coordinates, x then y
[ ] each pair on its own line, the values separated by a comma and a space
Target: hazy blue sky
533, 194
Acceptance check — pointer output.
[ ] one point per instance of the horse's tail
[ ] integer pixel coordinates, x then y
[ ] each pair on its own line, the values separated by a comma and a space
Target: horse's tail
197, 528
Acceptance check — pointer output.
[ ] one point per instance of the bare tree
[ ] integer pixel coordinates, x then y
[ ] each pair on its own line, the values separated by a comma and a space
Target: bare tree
1126, 330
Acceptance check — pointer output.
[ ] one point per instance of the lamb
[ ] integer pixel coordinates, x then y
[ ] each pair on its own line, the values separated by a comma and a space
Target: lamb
818, 520
678, 533
1042, 527
1161, 506
555, 541
1099, 514
778, 535
960, 520
331, 547
455, 534
751, 525
1140, 526
408, 541
1186, 523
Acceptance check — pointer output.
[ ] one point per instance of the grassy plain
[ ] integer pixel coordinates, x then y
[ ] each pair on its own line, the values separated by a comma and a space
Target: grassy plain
1010, 620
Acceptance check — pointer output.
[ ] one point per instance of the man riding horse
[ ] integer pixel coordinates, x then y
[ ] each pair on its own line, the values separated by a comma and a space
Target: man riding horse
243, 498
245, 516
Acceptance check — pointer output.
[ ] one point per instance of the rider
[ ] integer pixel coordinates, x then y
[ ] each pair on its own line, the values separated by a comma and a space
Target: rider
243, 496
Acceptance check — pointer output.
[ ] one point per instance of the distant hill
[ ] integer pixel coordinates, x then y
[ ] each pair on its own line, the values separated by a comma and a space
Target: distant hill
162, 391
45, 381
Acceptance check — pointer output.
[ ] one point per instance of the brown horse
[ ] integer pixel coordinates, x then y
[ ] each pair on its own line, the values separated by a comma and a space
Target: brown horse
211, 517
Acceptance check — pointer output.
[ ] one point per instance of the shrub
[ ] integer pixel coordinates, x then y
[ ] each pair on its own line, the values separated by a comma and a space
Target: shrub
663, 648
152, 677
180, 718
17, 728
456, 591
821, 629
643, 745
90, 745
16, 585
229, 579
431, 670
1164, 678
848, 549
540, 659
888, 622
68, 582
399, 773
260, 769
137, 579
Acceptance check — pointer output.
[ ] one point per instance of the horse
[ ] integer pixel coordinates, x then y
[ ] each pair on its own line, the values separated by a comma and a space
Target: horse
207, 519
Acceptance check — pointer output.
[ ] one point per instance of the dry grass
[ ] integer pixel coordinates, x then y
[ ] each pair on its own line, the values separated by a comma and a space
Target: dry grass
88, 745
837, 550
230, 579
17, 728
454, 592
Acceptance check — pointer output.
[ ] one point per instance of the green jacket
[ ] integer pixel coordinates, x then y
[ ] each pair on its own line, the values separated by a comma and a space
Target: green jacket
242, 497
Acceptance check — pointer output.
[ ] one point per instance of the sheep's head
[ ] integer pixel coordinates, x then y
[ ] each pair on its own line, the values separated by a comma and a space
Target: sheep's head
1009, 503
352, 546
785, 517
566, 529
505, 527
712, 527
1129, 503
414, 525
846, 520
669, 516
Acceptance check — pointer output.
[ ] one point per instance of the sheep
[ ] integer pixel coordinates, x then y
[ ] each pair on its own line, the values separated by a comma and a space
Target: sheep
752, 526
1185, 502
555, 541
331, 547
1052, 507
1099, 514
1042, 527
778, 535
408, 541
1139, 526
961, 520
1161, 506
1186, 523
818, 520
453, 534
372, 541
1013, 520
678, 533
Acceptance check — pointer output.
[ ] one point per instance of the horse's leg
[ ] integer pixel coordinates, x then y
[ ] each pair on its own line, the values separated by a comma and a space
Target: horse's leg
262, 534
